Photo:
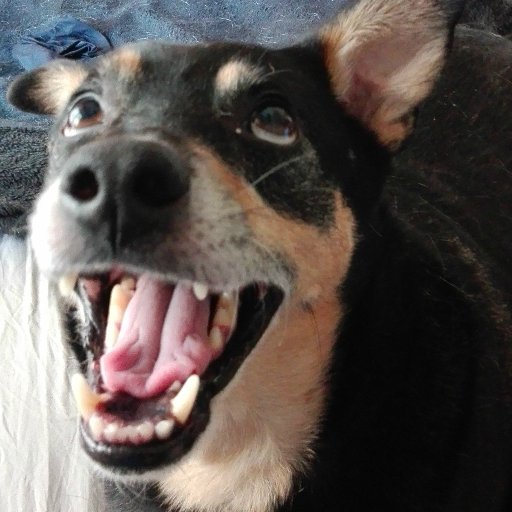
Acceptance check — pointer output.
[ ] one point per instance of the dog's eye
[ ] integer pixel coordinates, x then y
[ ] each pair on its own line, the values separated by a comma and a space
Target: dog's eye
86, 112
275, 125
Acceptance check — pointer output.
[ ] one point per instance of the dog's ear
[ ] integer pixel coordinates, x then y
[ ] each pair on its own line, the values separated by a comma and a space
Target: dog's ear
383, 57
46, 90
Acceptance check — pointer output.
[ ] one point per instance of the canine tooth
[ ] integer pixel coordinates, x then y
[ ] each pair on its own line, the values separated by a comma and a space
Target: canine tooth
163, 429
146, 431
216, 339
86, 399
67, 284
182, 403
200, 291
119, 299
96, 426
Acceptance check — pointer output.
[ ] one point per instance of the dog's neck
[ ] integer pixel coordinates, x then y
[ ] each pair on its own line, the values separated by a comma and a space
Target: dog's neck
135, 497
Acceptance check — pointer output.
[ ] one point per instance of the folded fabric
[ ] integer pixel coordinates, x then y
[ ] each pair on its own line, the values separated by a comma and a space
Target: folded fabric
69, 38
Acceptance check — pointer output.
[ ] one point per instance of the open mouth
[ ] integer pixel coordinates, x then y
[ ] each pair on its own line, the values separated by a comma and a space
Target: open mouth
154, 356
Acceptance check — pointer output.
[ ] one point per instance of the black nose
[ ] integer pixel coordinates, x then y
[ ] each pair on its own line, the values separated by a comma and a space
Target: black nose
131, 185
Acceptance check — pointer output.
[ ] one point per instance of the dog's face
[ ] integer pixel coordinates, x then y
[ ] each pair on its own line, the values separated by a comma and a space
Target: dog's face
200, 214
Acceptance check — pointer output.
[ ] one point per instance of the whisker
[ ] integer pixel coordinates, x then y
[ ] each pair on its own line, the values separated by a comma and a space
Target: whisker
279, 167
273, 72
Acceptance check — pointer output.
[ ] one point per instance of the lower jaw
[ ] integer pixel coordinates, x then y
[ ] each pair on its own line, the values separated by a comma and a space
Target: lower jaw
138, 459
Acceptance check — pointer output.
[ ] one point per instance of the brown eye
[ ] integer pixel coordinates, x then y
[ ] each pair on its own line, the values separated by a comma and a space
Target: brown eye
86, 112
275, 125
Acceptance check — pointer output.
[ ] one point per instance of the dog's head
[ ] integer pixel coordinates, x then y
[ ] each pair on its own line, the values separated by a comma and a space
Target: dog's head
200, 214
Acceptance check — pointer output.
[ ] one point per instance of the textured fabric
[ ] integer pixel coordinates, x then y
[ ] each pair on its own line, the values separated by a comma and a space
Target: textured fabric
42, 467
23, 160
269, 22
68, 38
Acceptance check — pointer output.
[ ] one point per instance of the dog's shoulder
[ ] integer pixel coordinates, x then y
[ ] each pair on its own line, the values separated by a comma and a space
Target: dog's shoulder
490, 15
457, 167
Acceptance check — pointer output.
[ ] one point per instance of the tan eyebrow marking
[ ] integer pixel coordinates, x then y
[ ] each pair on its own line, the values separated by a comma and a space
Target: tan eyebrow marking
235, 74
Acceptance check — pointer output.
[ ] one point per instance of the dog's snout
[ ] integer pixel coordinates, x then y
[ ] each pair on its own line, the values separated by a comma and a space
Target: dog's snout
126, 185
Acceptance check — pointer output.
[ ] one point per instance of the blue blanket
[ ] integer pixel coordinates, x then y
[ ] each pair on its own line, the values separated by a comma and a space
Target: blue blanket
269, 22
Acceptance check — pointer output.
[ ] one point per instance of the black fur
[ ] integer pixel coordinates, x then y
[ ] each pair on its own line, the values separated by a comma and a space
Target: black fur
420, 416
490, 15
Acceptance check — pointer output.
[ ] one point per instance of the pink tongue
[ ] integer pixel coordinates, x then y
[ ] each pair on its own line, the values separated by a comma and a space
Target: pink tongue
163, 338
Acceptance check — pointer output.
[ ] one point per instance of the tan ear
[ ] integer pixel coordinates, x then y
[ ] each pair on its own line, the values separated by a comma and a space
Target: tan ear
383, 57
46, 90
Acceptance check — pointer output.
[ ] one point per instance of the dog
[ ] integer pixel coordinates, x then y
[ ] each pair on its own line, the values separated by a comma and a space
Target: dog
267, 315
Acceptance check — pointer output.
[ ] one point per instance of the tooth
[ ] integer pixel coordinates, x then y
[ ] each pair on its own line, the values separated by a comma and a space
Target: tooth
222, 318
122, 435
146, 431
225, 315
86, 399
119, 299
200, 291
110, 432
183, 402
229, 302
216, 339
96, 426
262, 290
132, 433
67, 284
175, 386
128, 283
163, 429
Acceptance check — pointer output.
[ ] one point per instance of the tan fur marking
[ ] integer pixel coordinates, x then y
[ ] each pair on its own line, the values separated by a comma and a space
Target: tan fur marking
126, 61
56, 85
234, 74
392, 134
398, 47
264, 422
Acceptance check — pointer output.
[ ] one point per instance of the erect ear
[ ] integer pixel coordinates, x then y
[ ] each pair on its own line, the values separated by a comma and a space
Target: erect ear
383, 57
46, 90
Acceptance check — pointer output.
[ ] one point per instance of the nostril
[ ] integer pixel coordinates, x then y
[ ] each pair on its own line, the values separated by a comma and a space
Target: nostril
83, 185
158, 181
151, 190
